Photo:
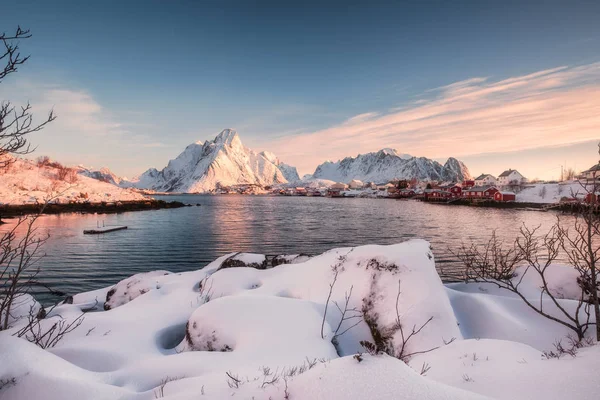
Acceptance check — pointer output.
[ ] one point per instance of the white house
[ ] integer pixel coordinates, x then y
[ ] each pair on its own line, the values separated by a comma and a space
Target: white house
356, 184
592, 173
485, 180
511, 177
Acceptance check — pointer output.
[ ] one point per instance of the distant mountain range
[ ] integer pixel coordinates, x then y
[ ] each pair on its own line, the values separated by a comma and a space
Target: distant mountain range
387, 164
225, 161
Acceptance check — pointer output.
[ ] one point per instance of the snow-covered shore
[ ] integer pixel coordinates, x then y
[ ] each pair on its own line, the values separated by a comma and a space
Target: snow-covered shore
228, 331
24, 182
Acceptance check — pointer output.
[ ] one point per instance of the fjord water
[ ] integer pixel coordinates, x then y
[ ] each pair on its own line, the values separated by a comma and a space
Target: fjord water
189, 238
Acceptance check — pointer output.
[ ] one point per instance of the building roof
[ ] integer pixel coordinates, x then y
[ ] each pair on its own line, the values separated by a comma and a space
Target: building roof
508, 172
594, 168
509, 193
480, 188
483, 176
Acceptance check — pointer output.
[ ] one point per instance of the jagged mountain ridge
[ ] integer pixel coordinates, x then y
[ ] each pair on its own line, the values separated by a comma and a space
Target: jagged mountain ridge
224, 161
387, 164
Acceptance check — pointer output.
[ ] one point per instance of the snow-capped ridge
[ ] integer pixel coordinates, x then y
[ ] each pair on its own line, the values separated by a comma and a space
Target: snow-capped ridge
223, 161
387, 164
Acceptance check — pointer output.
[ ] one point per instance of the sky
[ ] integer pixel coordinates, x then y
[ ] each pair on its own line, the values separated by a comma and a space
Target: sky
496, 84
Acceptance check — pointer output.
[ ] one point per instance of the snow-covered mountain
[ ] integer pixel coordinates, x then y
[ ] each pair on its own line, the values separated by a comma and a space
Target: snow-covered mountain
290, 173
224, 161
103, 174
388, 164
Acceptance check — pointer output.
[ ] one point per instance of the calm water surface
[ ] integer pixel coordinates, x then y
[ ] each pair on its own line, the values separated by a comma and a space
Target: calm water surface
189, 238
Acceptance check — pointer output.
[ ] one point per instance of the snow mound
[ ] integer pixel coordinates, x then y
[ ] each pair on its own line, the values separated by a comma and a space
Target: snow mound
286, 320
511, 371
132, 287
379, 377
275, 333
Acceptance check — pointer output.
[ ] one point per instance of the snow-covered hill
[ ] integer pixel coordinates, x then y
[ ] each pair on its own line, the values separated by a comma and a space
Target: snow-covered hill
388, 164
224, 161
25, 181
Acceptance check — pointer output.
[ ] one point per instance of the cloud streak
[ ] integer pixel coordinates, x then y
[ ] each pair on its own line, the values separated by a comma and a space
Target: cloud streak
547, 108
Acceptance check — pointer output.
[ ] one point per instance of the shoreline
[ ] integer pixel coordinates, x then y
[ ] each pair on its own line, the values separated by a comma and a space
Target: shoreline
15, 210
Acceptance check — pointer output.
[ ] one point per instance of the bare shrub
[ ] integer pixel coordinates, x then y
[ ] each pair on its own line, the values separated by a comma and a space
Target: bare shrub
66, 174
42, 161
47, 337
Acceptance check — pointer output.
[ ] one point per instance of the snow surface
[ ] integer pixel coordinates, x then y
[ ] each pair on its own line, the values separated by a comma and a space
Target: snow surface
249, 333
24, 182
551, 192
387, 164
224, 161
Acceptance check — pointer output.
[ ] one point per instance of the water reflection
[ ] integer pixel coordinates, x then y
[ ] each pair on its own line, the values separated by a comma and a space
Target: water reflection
189, 238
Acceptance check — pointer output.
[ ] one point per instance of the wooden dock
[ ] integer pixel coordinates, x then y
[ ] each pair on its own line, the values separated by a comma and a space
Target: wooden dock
104, 229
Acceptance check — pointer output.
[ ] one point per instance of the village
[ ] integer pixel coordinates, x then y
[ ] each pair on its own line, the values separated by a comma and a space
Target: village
484, 188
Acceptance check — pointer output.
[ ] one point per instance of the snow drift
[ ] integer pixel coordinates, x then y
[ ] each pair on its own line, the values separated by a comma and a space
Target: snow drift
248, 332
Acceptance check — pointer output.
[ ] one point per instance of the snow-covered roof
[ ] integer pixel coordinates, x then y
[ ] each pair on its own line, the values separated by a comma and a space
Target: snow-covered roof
483, 176
508, 172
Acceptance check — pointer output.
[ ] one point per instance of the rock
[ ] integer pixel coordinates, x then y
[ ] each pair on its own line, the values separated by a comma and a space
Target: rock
289, 259
248, 260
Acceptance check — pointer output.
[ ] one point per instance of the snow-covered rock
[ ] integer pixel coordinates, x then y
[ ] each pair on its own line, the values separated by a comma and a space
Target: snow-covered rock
387, 164
247, 260
224, 161
132, 287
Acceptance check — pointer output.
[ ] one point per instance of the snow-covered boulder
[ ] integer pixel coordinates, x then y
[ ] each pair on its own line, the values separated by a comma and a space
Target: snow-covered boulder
289, 259
249, 260
132, 287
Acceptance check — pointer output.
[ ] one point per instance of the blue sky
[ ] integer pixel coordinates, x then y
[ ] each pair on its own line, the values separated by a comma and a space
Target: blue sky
134, 82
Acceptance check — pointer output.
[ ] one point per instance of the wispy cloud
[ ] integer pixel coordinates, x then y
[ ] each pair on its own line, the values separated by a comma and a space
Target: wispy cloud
552, 107
85, 131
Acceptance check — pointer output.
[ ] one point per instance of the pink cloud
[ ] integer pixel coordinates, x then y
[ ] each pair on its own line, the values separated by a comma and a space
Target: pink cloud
547, 108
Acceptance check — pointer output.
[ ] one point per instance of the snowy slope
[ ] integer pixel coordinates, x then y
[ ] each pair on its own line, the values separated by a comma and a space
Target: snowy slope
224, 161
25, 182
240, 332
551, 192
387, 164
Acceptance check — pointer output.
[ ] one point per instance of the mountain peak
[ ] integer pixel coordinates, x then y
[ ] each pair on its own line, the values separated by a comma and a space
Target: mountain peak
227, 136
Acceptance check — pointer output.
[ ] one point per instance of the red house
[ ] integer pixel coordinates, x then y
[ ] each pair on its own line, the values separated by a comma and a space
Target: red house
480, 192
504, 196
456, 191
592, 198
468, 184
